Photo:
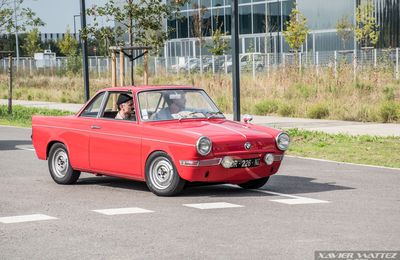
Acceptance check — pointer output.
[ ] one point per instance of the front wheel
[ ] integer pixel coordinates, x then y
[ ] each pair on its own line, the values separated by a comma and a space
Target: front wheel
59, 167
254, 184
162, 178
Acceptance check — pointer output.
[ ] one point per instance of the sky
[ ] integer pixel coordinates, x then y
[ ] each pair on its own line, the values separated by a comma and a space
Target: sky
59, 14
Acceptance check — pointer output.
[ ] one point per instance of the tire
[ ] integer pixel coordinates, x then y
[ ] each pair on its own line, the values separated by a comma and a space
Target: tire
162, 178
59, 167
254, 184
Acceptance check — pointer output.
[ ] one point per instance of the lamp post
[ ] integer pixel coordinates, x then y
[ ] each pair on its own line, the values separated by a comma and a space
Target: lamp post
16, 32
84, 51
76, 15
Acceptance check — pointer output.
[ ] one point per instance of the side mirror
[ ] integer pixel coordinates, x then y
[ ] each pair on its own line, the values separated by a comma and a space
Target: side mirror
247, 118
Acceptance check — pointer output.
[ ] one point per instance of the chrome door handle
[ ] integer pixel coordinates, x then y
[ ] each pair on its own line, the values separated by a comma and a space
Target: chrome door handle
95, 127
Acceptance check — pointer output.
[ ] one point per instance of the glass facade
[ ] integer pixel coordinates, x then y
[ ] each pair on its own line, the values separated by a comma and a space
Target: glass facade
261, 23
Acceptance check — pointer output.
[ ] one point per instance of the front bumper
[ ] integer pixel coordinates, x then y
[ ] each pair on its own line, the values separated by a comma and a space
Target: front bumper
211, 170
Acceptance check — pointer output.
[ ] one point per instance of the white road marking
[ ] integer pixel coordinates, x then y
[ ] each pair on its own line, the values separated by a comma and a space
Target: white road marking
294, 200
331, 161
26, 149
213, 205
300, 201
25, 218
121, 211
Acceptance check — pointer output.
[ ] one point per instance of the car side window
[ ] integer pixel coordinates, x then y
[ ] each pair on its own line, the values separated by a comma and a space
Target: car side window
93, 108
111, 107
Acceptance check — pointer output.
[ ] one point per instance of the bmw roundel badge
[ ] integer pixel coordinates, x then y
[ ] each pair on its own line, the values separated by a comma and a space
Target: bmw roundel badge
247, 145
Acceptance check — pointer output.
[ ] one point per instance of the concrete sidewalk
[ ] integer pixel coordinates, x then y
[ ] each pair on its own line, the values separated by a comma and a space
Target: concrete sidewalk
328, 126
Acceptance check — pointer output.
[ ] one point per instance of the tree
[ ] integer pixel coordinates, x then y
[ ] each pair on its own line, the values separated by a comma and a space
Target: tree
69, 47
32, 43
198, 28
344, 29
297, 30
141, 20
219, 44
366, 30
15, 19
9, 10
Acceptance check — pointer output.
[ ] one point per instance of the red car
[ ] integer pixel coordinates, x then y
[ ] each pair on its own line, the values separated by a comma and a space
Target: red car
166, 136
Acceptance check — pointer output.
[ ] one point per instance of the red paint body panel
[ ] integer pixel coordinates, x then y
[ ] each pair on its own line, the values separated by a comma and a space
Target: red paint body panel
121, 148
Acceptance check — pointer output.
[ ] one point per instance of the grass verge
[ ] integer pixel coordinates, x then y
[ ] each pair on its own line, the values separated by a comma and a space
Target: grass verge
22, 116
371, 150
364, 149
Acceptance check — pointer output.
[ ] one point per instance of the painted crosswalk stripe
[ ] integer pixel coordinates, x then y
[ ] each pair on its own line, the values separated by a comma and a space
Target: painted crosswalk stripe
26, 149
25, 218
121, 211
213, 205
293, 199
300, 201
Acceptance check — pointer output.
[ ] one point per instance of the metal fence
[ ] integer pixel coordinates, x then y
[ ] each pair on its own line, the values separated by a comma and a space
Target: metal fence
253, 63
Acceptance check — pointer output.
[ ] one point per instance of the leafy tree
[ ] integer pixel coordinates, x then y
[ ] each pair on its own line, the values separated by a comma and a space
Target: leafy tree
219, 44
25, 17
31, 43
69, 47
141, 20
366, 29
297, 30
344, 29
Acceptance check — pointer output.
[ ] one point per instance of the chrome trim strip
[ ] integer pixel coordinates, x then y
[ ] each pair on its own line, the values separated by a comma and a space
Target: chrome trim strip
198, 163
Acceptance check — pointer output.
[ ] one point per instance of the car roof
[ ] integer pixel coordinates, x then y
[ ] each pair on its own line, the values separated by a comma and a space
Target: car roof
136, 89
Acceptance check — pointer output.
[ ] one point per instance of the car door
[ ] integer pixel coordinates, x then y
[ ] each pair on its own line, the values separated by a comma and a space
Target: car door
115, 145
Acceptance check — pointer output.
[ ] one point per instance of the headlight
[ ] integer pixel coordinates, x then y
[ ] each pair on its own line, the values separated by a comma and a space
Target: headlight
203, 145
282, 141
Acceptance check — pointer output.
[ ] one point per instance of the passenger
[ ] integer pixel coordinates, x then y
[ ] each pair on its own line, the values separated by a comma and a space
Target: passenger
176, 102
125, 107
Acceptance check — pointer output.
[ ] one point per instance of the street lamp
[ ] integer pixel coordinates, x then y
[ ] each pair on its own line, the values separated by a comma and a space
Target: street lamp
76, 15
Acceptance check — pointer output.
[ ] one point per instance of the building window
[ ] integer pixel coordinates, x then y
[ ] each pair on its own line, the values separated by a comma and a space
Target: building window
273, 15
259, 18
183, 25
244, 19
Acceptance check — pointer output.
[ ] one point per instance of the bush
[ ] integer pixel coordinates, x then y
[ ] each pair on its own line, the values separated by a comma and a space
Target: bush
389, 93
266, 107
318, 111
286, 110
389, 111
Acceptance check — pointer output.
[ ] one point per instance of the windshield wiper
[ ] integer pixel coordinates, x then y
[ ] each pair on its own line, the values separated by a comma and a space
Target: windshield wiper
217, 114
189, 114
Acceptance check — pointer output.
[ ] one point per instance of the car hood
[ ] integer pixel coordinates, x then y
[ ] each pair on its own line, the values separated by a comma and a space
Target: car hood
227, 135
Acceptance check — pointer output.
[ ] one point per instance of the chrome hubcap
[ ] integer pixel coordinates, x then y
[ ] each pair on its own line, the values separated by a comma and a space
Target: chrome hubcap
161, 173
60, 163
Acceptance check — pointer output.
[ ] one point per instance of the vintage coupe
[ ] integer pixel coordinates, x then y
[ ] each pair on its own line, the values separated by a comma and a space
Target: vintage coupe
165, 148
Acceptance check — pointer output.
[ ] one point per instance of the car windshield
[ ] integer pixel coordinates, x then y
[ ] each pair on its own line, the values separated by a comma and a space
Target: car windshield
178, 104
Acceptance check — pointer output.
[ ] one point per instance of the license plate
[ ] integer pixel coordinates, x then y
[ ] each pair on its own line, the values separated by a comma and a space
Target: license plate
245, 163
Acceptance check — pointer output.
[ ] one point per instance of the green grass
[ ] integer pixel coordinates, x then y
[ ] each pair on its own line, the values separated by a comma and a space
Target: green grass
22, 116
364, 149
371, 150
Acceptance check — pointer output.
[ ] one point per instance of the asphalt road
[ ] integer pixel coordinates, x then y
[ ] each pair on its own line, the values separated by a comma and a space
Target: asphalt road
309, 205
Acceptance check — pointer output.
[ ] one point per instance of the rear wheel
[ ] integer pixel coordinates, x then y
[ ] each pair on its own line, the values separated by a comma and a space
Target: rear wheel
254, 184
59, 167
162, 178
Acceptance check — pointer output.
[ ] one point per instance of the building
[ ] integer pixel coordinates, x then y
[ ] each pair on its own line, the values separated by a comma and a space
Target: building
261, 23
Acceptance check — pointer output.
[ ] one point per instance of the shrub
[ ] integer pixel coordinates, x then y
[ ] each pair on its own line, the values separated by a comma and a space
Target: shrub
266, 107
389, 93
389, 111
286, 110
318, 111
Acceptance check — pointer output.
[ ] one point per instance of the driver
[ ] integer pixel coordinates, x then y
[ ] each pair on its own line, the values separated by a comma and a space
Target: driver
176, 102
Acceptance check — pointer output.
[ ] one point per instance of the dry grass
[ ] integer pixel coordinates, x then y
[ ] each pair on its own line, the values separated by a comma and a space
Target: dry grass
373, 96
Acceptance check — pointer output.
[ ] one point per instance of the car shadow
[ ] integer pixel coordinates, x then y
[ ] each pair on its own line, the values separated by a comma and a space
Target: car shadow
113, 182
278, 183
7, 145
